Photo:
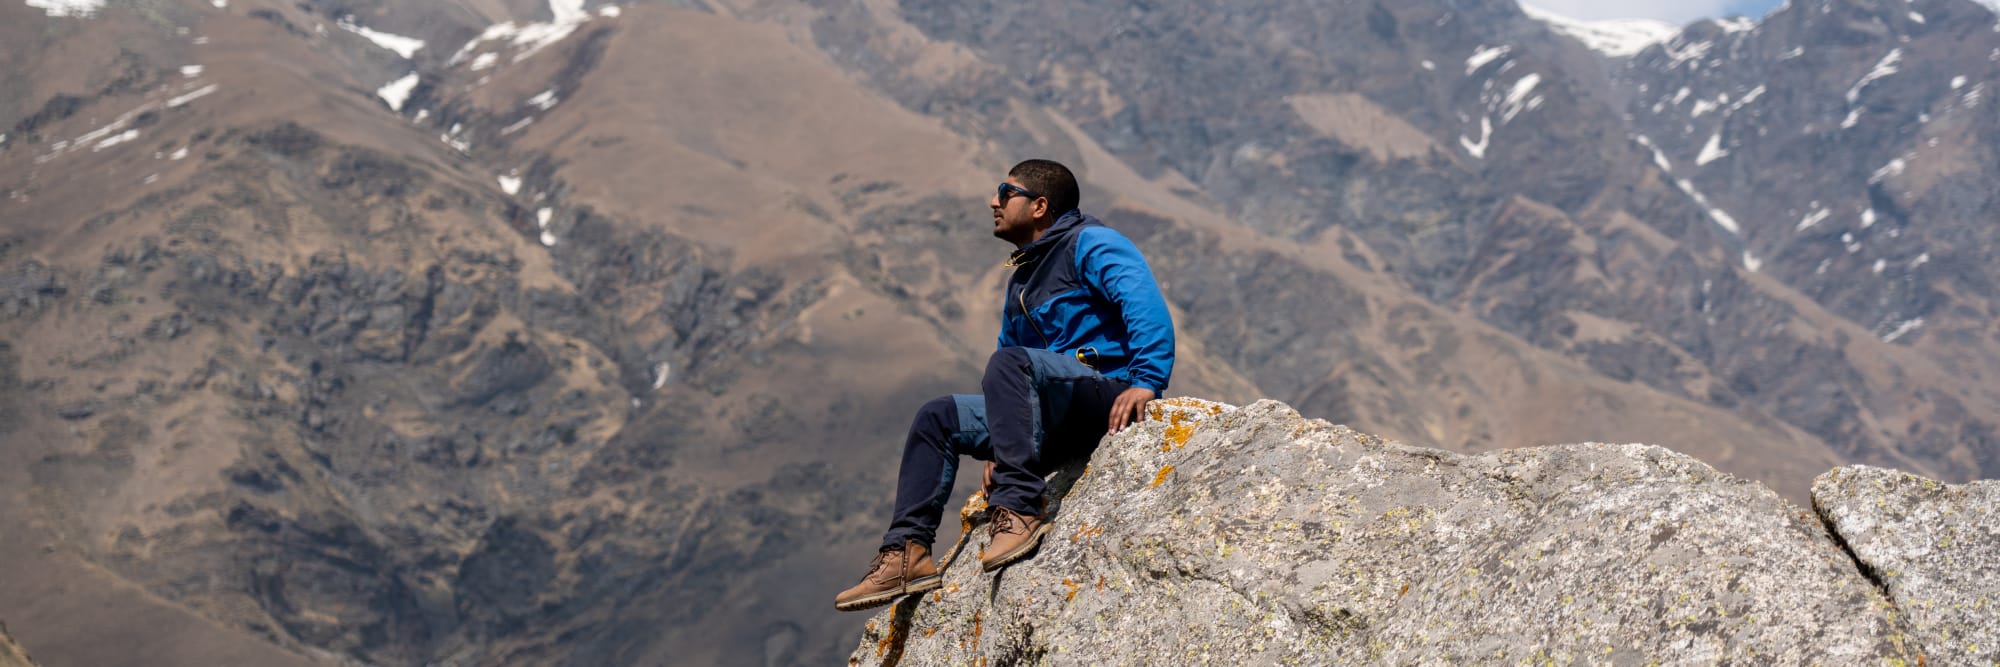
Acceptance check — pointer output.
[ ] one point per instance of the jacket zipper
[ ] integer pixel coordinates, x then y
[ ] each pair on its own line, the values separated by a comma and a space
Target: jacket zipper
1030, 320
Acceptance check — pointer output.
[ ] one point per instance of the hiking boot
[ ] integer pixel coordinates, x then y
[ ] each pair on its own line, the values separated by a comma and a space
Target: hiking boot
1015, 536
895, 573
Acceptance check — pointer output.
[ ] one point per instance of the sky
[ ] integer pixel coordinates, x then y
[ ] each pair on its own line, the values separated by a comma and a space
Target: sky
1672, 11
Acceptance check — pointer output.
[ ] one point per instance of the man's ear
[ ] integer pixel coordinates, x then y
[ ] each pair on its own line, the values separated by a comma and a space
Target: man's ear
1041, 209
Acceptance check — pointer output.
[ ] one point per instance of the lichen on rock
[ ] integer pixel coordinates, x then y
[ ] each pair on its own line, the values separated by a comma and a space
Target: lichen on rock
1276, 539
1935, 547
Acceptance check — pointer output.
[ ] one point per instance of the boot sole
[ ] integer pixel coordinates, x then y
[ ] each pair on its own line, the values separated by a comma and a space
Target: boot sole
1033, 542
918, 587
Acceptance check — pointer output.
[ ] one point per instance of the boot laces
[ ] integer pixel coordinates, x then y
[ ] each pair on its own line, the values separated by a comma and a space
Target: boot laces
881, 561
1006, 521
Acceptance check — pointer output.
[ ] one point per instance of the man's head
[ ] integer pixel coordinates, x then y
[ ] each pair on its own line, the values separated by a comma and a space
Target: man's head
1035, 194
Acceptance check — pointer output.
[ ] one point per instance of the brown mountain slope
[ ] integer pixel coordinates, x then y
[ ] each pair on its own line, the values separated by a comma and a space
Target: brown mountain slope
11, 654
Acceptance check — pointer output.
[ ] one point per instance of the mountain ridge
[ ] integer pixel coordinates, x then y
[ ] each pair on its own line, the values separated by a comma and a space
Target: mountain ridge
580, 333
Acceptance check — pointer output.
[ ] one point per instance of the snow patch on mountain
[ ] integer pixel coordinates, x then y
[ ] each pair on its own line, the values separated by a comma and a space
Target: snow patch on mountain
67, 7
1722, 218
1736, 24
1711, 151
544, 101
542, 217
1617, 38
1705, 106
403, 46
1517, 99
1884, 67
531, 38
1659, 157
199, 93
1484, 56
115, 139
1682, 53
398, 91
1903, 329
1817, 216
1478, 149
1893, 169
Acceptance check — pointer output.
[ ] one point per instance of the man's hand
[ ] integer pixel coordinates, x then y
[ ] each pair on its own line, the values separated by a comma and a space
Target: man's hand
1128, 408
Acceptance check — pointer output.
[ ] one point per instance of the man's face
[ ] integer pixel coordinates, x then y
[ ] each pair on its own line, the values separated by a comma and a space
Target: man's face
1015, 213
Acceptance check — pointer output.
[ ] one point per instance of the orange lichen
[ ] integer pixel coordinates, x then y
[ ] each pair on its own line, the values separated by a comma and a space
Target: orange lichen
978, 623
1162, 477
930, 631
1100, 583
1405, 591
1179, 431
892, 640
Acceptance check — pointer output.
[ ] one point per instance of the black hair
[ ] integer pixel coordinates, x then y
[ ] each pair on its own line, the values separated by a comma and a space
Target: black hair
1050, 179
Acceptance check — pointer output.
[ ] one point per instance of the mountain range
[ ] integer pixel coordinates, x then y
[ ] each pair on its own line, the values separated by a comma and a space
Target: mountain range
504, 332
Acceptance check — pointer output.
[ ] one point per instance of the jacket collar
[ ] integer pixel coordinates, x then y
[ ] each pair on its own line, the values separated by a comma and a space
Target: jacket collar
1064, 224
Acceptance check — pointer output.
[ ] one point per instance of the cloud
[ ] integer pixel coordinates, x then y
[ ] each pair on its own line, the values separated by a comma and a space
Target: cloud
1673, 11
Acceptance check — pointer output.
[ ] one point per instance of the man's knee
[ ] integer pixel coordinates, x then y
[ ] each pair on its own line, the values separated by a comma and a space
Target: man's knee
938, 415
1009, 360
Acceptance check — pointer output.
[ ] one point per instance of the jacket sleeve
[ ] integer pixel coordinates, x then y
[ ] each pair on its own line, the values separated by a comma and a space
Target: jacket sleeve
1115, 269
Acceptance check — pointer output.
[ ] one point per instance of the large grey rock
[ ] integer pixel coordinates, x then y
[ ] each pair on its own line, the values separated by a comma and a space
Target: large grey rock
1935, 547
1212, 535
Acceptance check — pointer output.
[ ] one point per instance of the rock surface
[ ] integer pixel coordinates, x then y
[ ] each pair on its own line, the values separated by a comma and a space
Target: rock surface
1218, 535
1935, 547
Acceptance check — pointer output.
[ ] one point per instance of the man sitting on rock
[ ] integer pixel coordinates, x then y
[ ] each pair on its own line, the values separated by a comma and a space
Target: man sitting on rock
1085, 342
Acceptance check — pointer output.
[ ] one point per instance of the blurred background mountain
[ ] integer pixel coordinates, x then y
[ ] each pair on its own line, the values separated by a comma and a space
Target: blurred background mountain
484, 332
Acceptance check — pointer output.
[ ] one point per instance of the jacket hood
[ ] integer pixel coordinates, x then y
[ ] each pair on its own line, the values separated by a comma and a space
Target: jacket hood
1064, 225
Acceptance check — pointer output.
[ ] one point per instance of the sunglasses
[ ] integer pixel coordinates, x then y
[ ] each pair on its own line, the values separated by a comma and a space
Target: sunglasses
1008, 190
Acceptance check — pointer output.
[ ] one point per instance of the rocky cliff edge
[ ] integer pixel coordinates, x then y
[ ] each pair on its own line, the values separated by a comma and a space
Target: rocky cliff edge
1213, 534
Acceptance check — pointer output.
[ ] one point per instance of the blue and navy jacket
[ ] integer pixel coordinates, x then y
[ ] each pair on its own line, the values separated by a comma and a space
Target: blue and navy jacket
1084, 290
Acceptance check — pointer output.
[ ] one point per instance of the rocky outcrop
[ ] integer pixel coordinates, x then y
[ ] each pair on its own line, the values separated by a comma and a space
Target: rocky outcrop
1251, 535
1934, 547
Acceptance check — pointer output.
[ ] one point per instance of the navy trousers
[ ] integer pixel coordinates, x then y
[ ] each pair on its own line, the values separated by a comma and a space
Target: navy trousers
1039, 409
